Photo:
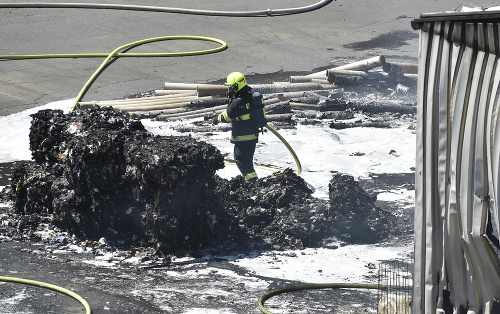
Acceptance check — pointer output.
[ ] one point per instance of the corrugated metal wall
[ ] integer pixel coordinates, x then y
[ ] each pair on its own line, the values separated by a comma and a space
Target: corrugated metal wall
458, 166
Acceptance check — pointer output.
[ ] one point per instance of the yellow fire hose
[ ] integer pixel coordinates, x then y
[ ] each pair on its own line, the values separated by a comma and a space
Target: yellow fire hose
118, 52
88, 310
115, 53
290, 149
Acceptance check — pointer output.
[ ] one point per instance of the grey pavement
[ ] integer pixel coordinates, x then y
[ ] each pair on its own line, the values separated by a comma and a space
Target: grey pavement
343, 30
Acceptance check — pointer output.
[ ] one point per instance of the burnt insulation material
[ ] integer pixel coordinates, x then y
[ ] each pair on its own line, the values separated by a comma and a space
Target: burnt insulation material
280, 211
97, 173
356, 219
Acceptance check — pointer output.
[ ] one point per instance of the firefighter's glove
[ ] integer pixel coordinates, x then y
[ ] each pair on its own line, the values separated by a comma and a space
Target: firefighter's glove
215, 120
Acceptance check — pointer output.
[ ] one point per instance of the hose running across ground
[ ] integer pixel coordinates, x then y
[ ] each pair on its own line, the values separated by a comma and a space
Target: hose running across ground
272, 293
259, 13
118, 53
290, 149
115, 53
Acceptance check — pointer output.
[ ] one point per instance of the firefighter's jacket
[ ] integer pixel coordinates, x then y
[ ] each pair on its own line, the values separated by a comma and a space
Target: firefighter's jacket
238, 113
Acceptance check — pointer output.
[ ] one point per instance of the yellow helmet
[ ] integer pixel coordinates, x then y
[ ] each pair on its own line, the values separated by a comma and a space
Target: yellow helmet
237, 81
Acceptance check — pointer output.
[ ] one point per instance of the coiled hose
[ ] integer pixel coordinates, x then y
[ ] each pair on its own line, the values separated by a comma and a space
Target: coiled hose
88, 310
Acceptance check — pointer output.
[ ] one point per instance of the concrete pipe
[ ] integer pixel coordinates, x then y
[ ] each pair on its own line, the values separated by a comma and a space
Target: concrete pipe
317, 75
141, 115
332, 72
301, 106
300, 79
310, 99
182, 117
209, 103
181, 86
288, 87
410, 76
140, 102
322, 107
163, 92
287, 95
153, 99
305, 79
382, 76
291, 95
172, 110
343, 80
362, 65
152, 107
85, 105
407, 68
144, 100
278, 103
345, 125
279, 117
212, 90
345, 77
196, 112
155, 113
163, 111
140, 105
392, 76
271, 101
381, 108
199, 102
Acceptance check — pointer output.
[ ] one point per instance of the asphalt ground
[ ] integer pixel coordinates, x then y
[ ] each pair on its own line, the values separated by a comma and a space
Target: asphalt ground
343, 30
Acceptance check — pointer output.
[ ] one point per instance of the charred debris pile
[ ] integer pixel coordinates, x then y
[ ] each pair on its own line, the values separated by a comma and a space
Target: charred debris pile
97, 173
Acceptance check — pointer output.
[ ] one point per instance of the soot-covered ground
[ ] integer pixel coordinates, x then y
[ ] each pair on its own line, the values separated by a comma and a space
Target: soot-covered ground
100, 176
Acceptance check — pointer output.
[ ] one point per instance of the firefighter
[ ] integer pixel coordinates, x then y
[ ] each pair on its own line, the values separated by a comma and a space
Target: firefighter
244, 134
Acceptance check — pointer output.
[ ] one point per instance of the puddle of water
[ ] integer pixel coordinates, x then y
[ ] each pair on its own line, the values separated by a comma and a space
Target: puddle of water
5, 173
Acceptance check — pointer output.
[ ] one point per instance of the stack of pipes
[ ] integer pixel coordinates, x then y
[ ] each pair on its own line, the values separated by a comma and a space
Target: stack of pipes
185, 100
357, 71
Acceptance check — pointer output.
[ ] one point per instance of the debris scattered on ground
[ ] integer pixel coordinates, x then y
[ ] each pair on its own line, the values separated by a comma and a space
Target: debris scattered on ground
329, 96
100, 176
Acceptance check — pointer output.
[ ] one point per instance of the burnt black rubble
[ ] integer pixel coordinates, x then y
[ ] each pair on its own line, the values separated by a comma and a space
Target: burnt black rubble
97, 173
